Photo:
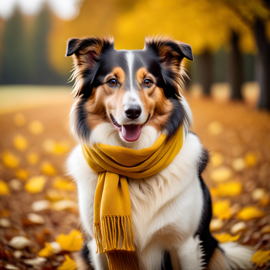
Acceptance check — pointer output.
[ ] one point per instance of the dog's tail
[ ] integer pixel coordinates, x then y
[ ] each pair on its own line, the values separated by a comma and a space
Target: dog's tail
231, 256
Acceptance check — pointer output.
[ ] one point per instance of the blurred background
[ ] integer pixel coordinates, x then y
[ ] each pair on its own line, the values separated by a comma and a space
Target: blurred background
230, 39
228, 92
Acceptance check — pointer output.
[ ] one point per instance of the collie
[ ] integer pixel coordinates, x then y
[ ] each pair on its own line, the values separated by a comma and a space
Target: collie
128, 98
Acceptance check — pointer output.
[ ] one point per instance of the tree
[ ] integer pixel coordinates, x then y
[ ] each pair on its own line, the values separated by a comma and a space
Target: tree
255, 14
235, 68
14, 51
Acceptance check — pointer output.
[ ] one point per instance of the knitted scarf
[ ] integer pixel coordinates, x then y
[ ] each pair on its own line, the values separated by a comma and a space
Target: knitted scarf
112, 208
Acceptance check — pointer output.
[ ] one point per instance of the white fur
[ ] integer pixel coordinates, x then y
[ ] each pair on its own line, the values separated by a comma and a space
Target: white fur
166, 207
159, 203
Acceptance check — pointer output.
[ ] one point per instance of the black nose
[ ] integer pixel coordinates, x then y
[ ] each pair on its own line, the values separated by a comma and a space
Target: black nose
133, 112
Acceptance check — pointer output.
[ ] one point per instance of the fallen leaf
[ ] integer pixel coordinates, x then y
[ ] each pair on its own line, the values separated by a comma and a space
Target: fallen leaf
238, 164
221, 209
32, 158
60, 183
11, 267
265, 200
216, 224
38, 261
35, 184
36, 219
68, 264
54, 195
40, 205
258, 194
250, 212
71, 242
20, 142
217, 159
50, 249
215, 128
221, 174
22, 174
265, 229
10, 160
19, 119
227, 189
48, 169
17, 254
4, 190
261, 257
19, 242
238, 227
250, 159
56, 148
63, 205
5, 223
36, 127
226, 237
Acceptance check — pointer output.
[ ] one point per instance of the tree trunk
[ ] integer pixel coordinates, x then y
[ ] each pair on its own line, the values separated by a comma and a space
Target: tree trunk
263, 64
235, 68
205, 61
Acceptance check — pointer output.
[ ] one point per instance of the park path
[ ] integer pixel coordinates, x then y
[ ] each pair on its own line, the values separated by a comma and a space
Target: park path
38, 200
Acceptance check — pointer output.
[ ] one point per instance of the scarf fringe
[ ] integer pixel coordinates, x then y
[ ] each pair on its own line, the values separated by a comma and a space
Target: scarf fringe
122, 260
109, 232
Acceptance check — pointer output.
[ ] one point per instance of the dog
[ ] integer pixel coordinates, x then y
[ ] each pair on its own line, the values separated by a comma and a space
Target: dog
128, 98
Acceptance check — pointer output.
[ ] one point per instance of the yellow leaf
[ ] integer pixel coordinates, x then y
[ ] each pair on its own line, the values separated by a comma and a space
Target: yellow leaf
226, 237
215, 128
261, 257
238, 164
47, 251
32, 158
53, 195
19, 119
250, 159
63, 205
4, 190
216, 159
56, 148
71, 242
221, 209
60, 183
36, 127
61, 148
48, 169
250, 212
227, 190
22, 174
10, 160
68, 264
221, 174
20, 142
35, 184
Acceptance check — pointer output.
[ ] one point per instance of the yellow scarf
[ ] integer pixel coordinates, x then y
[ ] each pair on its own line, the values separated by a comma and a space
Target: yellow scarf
112, 209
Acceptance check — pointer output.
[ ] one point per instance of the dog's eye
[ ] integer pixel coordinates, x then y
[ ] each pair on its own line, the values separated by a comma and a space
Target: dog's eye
112, 82
147, 82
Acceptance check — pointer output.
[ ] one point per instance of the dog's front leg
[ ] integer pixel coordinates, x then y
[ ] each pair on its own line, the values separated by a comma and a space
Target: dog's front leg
189, 254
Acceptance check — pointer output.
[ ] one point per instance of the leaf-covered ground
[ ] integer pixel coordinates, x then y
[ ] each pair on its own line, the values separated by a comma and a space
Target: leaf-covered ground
38, 201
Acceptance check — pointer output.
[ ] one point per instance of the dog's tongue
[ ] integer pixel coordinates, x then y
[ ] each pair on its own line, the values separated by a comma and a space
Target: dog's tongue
131, 133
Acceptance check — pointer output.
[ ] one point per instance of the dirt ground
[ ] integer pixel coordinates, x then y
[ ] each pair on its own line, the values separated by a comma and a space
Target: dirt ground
237, 137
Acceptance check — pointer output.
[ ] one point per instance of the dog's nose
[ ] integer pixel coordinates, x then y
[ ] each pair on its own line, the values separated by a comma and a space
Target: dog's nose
133, 112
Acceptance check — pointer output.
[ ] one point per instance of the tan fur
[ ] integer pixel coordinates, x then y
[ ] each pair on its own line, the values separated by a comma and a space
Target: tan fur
218, 261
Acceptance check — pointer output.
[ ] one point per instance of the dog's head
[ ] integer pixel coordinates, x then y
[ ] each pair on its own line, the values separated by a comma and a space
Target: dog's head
128, 90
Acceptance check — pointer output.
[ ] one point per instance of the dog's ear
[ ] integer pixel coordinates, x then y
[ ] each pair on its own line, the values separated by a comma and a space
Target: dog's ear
171, 52
85, 53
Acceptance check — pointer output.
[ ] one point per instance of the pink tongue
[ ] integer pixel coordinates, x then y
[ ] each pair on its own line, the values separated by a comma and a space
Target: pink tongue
131, 133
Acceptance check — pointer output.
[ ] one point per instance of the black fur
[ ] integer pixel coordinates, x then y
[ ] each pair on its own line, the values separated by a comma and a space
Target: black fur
208, 242
176, 118
81, 125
